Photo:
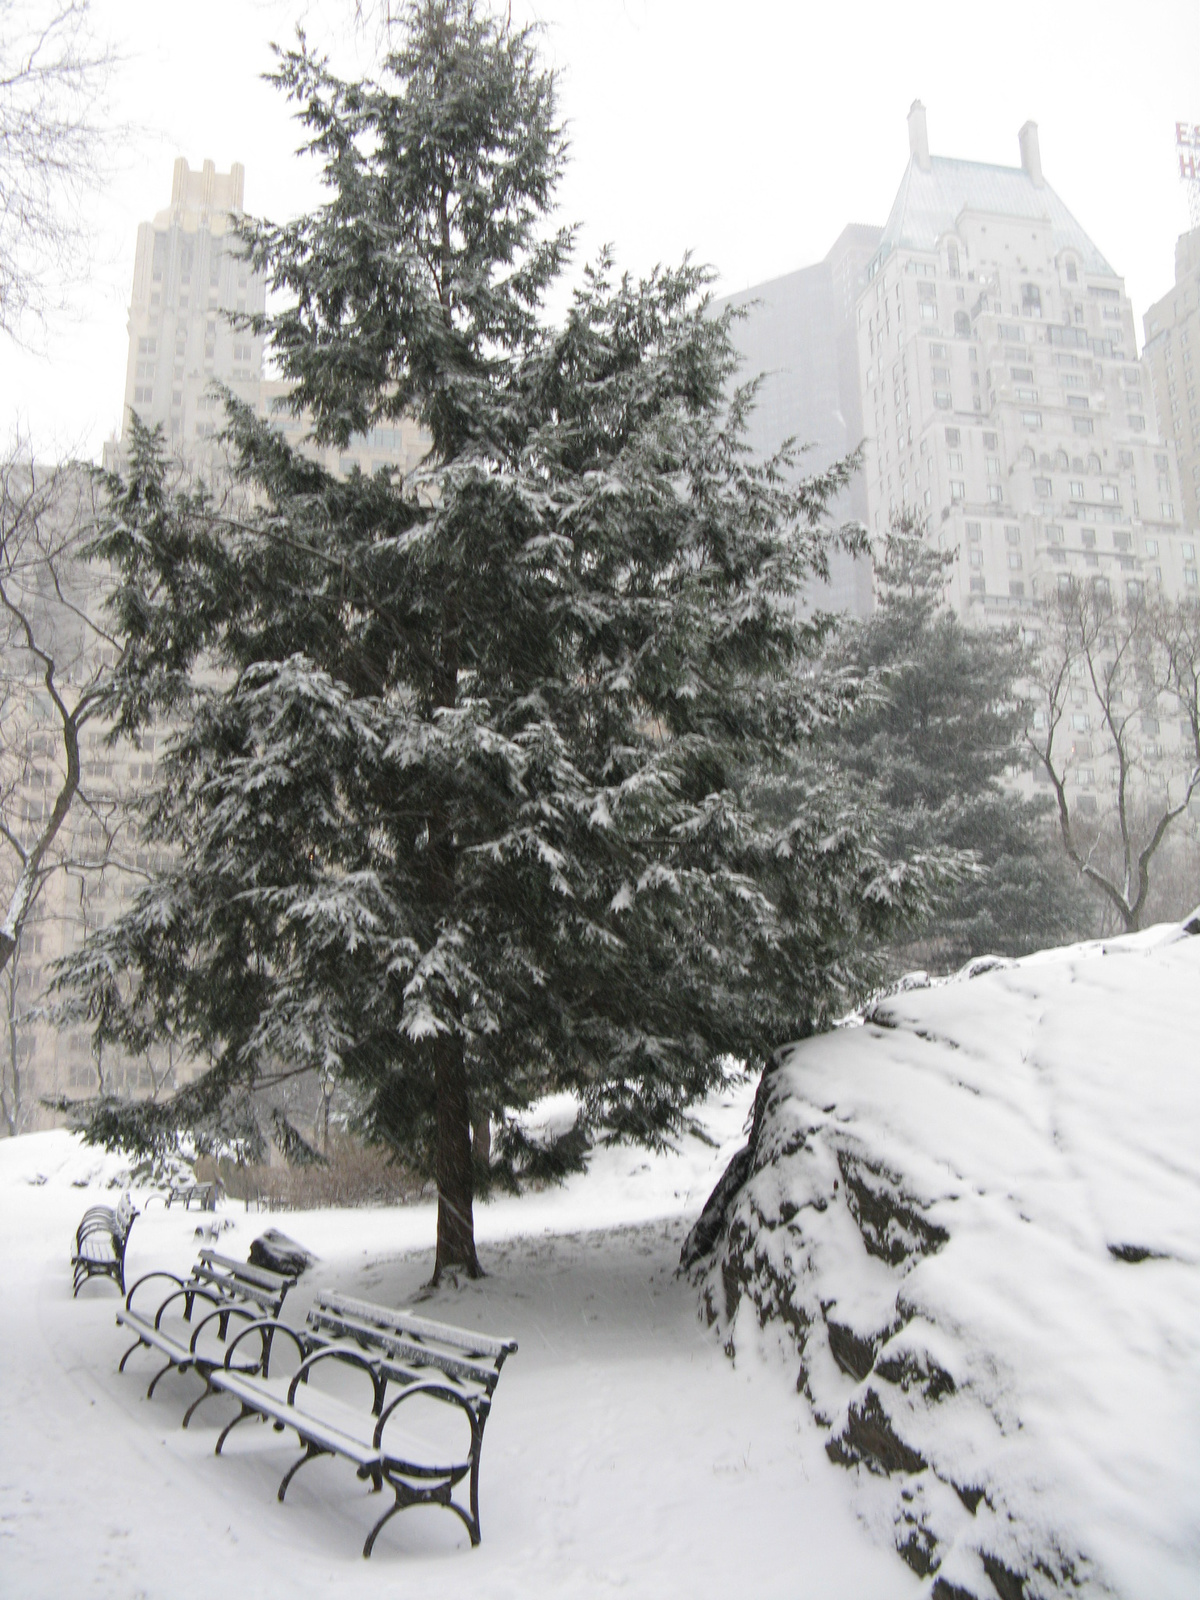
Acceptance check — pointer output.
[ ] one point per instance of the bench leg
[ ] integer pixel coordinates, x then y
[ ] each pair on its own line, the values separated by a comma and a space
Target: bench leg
136, 1345
246, 1411
312, 1451
405, 1497
171, 1366
199, 1401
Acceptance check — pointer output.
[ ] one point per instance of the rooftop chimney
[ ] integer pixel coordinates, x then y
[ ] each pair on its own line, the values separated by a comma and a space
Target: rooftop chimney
1031, 155
918, 135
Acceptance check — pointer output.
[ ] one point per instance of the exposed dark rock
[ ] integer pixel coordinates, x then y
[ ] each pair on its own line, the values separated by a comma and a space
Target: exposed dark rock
1009, 1585
1135, 1253
1192, 923
854, 1355
869, 1439
908, 1373
710, 1224
949, 1591
277, 1253
919, 1550
969, 1496
892, 1225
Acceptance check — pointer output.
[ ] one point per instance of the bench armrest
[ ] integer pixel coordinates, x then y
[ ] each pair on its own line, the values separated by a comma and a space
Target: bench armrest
221, 1314
438, 1391
338, 1352
189, 1292
159, 1272
267, 1328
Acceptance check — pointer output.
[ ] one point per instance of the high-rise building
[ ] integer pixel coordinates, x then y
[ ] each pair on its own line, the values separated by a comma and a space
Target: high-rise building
1003, 397
190, 277
796, 334
1172, 327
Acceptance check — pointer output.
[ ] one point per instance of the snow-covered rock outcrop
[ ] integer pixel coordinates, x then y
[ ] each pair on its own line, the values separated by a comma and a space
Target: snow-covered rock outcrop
972, 1223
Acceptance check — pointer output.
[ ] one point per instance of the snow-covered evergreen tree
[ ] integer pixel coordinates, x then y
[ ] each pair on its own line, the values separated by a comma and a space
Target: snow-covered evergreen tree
939, 734
475, 789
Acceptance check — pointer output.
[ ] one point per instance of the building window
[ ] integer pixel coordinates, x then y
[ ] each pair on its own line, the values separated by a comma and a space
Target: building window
976, 558
1082, 424
1076, 489
1016, 589
1031, 420
995, 493
1027, 397
1072, 271
974, 530
1167, 509
1043, 488
1189, 577
957, 489
1151, 547
1014, 561
962, 324
1031, 300
1054, 533
954, 459
1110, 492
942, 400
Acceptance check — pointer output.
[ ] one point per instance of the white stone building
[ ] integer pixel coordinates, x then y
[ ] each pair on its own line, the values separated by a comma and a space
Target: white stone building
1172, 327
1003, 396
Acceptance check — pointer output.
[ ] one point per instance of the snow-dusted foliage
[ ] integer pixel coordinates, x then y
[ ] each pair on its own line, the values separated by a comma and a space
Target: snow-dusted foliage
489, 780
971, 1224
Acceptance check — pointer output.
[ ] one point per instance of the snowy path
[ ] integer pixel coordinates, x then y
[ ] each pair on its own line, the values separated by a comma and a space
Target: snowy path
625, 1452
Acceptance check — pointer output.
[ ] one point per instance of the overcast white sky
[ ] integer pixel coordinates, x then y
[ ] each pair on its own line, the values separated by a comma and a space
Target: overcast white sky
746, 133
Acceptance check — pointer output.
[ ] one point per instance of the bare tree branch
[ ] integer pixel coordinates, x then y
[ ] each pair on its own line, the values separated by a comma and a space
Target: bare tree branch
53, 144
1122, 665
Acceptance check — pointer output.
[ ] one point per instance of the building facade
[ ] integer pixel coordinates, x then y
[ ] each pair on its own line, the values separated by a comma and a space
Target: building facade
1004, 400
796, 335
191, 281
1172, 327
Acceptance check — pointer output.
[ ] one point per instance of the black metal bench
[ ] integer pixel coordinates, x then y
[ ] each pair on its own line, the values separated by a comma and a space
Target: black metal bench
230, 1290
205, 1195
100, 1242
420, 1358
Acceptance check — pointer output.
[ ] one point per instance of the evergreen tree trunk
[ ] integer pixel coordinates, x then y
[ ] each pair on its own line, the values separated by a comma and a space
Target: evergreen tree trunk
455, 1182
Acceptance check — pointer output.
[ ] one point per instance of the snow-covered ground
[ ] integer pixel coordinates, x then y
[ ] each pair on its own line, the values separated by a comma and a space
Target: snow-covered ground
624, 1453
973, 1233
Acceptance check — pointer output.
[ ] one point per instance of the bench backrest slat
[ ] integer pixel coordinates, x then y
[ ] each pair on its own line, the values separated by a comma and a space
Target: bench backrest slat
263, 1277
472, 1344
409, 1353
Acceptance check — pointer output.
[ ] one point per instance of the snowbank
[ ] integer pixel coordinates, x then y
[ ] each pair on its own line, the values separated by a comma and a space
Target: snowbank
972, 1225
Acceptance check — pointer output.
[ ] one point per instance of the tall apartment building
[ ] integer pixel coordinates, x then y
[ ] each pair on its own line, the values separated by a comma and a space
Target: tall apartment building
797, 335
1003, 397
1172, 328
189, 277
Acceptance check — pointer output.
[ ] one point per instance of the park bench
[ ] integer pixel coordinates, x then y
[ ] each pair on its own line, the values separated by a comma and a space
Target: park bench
425, 1361
229, 1290
205, 1195
100, 1242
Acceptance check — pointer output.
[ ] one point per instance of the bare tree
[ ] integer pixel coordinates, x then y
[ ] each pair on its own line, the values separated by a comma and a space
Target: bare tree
56, 666
1108, 678
53, 138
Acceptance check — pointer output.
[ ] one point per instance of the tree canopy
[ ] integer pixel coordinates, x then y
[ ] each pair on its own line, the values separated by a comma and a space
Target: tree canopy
939, 733
474, 789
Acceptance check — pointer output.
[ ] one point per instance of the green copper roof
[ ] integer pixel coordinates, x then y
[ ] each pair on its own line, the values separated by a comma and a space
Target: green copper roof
929, 204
